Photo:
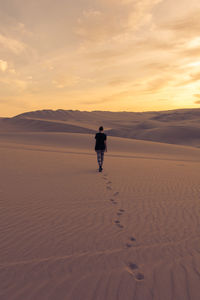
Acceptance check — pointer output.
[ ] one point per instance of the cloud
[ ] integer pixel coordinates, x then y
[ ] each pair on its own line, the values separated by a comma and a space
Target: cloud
197, 102
117, 81
111, 19
156, 84
18, 84
159, 66
191, 52
12, 71
193, 77
66, 81
111, 97
101, 51
185, 26
3, 65
11, 44
197, 95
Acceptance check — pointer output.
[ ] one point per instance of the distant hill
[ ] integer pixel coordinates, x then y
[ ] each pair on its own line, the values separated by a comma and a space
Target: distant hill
180, 126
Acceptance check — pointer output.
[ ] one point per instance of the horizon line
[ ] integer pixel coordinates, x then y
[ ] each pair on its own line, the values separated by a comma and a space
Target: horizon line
105, 111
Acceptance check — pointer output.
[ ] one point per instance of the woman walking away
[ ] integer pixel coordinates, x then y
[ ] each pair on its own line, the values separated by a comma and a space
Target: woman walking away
100, 147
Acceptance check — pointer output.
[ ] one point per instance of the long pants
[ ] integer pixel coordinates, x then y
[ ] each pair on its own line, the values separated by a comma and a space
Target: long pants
100, 157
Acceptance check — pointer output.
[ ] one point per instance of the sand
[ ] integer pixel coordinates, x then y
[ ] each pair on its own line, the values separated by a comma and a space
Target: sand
180, 126
70, 232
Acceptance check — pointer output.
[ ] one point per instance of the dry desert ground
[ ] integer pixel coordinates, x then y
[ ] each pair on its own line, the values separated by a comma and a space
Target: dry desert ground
70, 232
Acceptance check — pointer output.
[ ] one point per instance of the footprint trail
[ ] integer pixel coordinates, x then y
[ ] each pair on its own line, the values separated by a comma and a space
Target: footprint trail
132, 268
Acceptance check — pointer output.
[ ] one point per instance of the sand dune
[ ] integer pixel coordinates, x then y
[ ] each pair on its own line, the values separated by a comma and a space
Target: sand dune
84, 143
174, 127
69, 232
38, 125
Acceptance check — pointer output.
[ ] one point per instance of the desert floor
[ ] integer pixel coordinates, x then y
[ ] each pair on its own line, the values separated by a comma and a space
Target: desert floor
70, 232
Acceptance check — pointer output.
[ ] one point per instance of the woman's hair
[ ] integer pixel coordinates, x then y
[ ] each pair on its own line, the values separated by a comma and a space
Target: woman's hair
101, 128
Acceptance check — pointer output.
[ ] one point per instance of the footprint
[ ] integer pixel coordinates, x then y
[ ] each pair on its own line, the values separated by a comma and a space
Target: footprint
132, 239
119, 214
117, 221
120, 226
128, 245
109, 188
115, 194
122, 210
139, 276
133, 266
113, 201
109, 182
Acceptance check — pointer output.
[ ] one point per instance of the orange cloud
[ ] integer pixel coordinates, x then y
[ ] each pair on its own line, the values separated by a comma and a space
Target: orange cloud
126, 53
197, 95
101, 24
185, 26
11, 44
3, 65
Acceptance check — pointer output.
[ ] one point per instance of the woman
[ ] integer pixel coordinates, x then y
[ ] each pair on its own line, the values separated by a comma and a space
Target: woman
100, 147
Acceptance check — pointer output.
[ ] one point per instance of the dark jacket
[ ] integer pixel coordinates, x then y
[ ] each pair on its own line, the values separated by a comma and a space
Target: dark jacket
100, 141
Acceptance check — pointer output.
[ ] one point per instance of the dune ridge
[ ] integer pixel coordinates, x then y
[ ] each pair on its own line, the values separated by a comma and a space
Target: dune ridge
174, 127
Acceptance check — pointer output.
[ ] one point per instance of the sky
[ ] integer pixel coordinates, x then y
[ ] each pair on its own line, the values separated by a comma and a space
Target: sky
116, 55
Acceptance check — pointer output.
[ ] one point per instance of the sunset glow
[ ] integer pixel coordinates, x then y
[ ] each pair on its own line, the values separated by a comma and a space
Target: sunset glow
101, 55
